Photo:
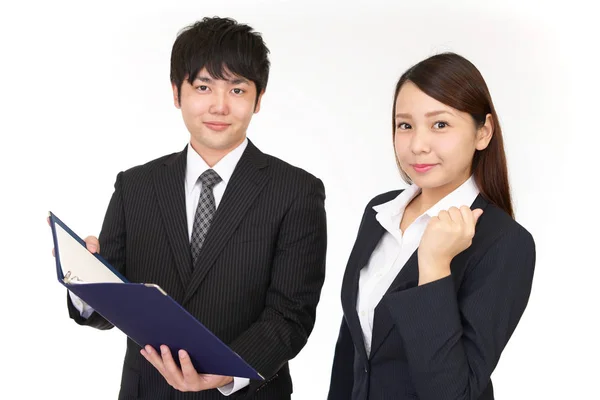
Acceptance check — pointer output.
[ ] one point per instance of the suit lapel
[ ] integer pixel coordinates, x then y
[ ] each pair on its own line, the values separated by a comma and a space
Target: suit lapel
242, 190
408, 277
365, 244
169, 185
382, 323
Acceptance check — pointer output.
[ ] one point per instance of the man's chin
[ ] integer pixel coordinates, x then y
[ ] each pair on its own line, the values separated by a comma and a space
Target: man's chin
219, 142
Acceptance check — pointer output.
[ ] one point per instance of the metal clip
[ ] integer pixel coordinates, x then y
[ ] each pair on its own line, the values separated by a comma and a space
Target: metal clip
152, 285
68, 279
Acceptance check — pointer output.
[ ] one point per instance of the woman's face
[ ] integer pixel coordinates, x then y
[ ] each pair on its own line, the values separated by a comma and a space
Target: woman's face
435, 143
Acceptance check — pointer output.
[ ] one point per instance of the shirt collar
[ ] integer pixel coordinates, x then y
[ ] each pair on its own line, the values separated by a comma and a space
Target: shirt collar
397, 205
225, 167
465, 194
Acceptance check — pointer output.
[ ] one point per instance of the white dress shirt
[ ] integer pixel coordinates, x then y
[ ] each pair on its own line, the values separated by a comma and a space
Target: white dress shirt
395, 247
194, 168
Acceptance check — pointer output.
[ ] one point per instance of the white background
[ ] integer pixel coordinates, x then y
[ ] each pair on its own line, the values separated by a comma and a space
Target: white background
85, 93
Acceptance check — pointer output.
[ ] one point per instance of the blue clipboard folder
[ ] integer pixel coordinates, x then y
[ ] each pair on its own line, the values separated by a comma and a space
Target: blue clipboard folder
142, 311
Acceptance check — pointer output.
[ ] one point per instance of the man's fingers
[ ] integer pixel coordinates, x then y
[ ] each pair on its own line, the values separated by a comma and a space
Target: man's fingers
92, 244
171, 369
48, 220
187, 368
154, 358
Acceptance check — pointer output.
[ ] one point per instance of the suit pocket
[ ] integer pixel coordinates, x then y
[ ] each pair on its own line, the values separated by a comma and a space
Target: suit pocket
130, 383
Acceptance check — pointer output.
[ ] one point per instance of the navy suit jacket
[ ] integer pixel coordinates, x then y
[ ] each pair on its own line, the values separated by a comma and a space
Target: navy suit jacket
441, 340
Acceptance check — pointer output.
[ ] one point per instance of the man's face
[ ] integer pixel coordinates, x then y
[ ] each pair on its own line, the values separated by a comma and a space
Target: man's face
217, 112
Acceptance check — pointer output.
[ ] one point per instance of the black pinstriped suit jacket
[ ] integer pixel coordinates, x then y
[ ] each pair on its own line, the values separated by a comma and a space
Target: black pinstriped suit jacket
258, 278
442, 340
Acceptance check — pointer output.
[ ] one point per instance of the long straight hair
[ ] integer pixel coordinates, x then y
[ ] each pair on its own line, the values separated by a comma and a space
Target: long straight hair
453, 80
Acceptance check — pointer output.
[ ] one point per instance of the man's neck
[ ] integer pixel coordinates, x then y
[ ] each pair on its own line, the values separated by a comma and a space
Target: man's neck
212, 156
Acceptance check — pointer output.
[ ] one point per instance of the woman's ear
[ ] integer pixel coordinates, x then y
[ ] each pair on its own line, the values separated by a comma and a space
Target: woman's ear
485, 133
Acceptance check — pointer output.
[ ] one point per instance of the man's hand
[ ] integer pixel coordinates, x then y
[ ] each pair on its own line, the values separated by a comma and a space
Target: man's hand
185, 379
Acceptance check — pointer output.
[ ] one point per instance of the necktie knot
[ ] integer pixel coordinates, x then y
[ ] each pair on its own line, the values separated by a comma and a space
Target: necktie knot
209, 178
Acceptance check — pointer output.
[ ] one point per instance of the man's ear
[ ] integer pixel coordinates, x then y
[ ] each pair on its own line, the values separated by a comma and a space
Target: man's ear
257, 105
176, 100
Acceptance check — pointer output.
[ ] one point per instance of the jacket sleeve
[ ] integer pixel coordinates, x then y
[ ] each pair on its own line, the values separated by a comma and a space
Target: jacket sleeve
453, 342
297, 276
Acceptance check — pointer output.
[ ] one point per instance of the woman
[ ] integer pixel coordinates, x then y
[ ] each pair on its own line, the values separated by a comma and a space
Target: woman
440, 273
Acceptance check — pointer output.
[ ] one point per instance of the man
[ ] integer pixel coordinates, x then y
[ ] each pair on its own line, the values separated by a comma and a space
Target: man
236, 236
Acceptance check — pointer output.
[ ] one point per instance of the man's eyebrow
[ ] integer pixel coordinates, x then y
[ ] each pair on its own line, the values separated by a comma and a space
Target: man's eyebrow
233, 81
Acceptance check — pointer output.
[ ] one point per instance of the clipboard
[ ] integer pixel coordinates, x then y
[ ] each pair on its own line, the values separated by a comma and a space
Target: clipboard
142, 311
